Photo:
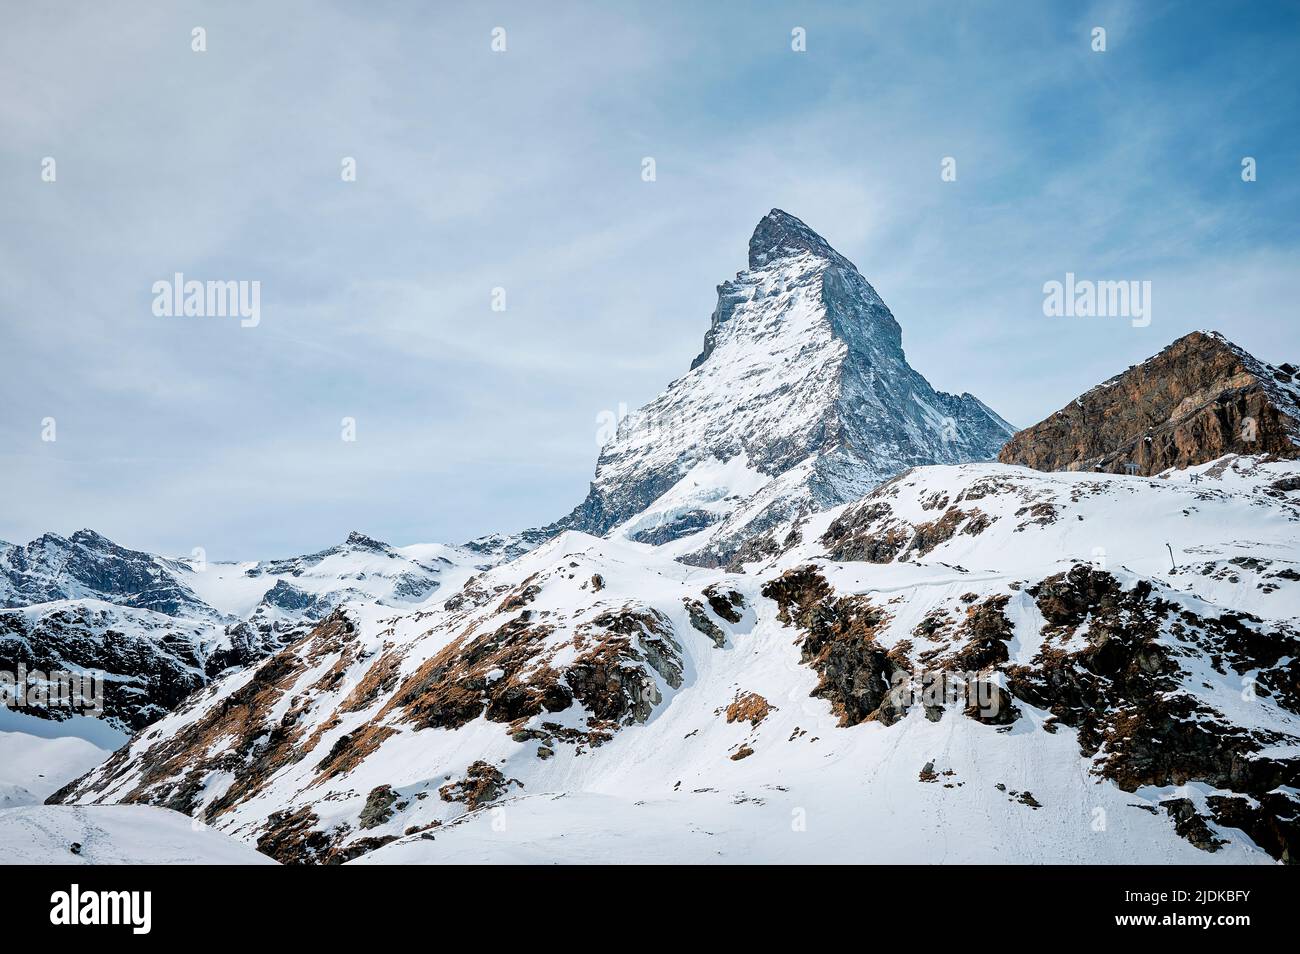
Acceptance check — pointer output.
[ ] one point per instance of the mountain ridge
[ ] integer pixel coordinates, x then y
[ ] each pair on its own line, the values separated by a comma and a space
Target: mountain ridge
1199, 398
157, 629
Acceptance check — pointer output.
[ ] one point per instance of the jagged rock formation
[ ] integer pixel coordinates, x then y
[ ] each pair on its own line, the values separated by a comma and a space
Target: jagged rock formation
802, 390
88, 565
1198, 399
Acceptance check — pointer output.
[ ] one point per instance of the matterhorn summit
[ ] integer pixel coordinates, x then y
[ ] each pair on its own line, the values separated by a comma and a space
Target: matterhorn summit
801, 399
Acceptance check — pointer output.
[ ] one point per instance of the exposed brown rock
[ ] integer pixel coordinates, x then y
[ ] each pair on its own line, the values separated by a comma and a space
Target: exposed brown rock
929, 535
857, 674
858, 534
291, 838
871, 532
482, 783
985, 633
379, 680
520, 596
750, 707
1197, 400
349, 749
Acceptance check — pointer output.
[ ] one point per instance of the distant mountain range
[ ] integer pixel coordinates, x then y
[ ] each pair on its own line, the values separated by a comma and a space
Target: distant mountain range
159, 628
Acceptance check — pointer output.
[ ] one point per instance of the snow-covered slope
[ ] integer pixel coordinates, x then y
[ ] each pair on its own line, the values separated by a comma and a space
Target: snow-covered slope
1225, 531
32, 768
975, 663
114, 835
802, 373
360, 567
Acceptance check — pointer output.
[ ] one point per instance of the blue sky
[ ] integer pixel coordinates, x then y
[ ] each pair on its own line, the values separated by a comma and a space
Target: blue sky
521, 170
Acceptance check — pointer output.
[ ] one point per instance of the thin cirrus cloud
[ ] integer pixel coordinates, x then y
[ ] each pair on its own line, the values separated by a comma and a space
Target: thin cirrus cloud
521, 170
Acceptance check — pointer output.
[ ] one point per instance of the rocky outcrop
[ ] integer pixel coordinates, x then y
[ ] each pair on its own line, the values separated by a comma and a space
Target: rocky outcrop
839, 644
728, 604
379, 807
504, 674
292, 837
702, 623
1118, 664
1197, 400
1126, 691
139, 665
481, 784
749, 707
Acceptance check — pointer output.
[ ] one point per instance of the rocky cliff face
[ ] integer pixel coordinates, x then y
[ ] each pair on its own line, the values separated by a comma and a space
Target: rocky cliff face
1197, 400
802, 374
89, 565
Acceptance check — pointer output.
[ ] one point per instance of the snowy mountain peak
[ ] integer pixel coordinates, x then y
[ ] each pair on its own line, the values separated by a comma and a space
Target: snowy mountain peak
802, 384
363, 542
91, 538
779, 235
88, 565
952, 646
